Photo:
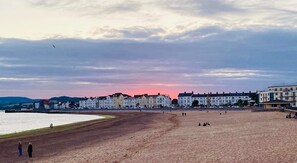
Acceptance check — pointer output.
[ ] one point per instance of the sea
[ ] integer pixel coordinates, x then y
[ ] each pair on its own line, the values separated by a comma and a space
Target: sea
17, 122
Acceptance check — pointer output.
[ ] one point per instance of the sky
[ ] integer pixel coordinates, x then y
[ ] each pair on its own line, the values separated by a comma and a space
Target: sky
148, 46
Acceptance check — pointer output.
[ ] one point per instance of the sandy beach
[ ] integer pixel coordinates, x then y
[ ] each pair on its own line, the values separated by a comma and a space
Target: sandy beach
241, 136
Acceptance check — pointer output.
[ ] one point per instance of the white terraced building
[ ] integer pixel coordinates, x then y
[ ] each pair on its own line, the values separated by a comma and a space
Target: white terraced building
104, 102
280, 93
130, 102
218, 99
90, 103
163, 100
114, 101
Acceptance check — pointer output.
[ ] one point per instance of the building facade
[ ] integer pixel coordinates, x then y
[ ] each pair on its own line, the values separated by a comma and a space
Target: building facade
279, 93
88, 103
120, 100
148, 101
104, 102
217, 99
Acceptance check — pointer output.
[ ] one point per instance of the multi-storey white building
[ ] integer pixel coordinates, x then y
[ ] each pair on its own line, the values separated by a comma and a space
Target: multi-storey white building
89, 103
218, 99
104, 102
130, 102
163, 101
185, 99
279, 93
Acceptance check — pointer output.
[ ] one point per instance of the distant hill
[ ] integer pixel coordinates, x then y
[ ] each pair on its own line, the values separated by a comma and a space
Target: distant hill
14, 100
66, 98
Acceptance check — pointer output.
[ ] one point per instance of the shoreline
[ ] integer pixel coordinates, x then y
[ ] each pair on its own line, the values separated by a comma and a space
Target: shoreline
238, 136
58, 128
50, 143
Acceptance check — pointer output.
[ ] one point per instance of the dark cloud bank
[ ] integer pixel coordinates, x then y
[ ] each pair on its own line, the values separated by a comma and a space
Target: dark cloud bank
212, 59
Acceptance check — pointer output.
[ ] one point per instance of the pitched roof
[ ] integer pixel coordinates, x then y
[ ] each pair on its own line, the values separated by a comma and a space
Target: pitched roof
185, 94
102, 98
119, 94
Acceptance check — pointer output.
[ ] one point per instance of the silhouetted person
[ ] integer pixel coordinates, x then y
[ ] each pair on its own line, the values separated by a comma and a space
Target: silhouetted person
30, 149
220, 113
20, 148
204, 124
199, 124
185, 114
51, 125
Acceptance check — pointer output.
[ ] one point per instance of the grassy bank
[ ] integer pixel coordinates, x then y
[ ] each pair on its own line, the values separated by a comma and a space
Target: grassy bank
55, 129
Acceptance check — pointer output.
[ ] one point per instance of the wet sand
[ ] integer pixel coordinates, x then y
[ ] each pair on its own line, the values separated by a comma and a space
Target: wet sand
241, 136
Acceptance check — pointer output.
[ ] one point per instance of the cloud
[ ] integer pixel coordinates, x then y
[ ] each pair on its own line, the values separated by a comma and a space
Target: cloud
99, 68
133, 33
148, 20
202, 7
90, 7
231, 73
17, 79
229, 60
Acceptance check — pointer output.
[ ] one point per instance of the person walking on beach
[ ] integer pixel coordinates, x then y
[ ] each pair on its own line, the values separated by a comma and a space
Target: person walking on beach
30, 149
20, 148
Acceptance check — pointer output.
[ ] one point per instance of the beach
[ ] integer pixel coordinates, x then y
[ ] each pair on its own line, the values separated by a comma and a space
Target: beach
238, 136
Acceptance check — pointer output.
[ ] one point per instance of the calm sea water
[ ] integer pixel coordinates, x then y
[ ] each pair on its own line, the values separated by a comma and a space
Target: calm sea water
16, 122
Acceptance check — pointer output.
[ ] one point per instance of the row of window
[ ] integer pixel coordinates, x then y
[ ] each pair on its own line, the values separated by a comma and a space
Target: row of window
203, 98
281, 89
